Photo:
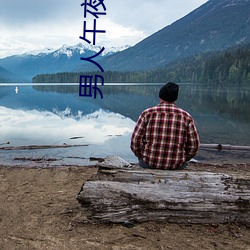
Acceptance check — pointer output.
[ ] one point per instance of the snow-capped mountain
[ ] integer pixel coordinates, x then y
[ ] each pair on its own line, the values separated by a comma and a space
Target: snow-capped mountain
64, 59
81, 49
85, 48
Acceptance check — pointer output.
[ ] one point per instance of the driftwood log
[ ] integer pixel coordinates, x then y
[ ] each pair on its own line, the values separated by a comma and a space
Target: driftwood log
224, 147
120, 195
30, 147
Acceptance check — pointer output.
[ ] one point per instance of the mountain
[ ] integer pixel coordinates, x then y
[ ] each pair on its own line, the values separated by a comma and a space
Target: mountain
7, 76
214, 26
64, 59
4, 75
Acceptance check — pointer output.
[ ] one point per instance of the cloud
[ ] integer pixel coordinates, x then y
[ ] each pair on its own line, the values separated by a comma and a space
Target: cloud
25, 12
142, 15
150, 16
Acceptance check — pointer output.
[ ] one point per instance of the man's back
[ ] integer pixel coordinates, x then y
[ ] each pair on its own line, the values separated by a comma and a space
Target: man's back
165, 136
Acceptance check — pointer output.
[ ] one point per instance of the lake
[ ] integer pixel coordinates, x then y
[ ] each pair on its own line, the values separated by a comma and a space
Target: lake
54, 114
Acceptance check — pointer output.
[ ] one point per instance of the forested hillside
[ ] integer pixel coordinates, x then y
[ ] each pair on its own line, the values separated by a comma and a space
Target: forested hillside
231, 66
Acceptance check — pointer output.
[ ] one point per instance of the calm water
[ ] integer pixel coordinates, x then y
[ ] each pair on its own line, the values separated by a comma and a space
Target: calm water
55, 114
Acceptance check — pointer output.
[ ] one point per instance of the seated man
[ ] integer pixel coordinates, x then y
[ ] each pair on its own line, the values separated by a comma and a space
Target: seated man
165, 136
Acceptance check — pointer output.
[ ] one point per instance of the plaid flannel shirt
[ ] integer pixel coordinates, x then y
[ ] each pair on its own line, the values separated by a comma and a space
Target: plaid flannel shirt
165, 136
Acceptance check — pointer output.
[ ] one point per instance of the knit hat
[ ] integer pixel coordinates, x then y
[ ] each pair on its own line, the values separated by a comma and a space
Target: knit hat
169, 92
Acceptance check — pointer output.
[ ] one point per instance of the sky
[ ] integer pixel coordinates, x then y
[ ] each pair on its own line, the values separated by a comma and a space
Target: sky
31, 25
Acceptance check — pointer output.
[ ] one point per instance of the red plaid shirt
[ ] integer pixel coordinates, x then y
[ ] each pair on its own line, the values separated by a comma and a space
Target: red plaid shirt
165, 136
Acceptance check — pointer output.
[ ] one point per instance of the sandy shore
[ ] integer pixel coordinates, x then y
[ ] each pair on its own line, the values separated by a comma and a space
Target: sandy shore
38, 210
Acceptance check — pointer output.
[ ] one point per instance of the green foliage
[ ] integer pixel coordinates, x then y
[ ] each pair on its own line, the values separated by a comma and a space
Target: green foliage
231, 66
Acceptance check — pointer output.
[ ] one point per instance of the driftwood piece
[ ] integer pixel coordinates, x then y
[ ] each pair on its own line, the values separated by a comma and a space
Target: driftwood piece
30, 147
128, 195
113, 161
224, 147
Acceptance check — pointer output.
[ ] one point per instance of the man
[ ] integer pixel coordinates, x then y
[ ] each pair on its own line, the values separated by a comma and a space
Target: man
165, 136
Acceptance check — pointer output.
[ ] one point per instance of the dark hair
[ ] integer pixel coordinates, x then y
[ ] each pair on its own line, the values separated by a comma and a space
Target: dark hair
169, 92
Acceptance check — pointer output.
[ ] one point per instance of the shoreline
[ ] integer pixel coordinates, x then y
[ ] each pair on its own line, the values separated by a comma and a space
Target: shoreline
54, 157
194, 166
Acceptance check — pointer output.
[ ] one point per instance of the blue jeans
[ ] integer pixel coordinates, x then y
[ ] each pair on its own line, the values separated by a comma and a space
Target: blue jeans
145, 165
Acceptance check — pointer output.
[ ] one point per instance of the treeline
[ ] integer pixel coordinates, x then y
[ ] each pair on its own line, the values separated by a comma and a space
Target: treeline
231, 66
109, 76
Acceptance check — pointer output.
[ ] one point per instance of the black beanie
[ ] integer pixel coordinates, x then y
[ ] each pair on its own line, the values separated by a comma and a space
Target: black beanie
169, 92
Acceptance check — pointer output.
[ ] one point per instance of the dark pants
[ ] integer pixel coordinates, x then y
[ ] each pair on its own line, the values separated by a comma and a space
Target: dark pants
145, 165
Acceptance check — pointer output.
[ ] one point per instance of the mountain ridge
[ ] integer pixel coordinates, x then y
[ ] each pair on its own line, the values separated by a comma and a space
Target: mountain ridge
215, 25
63, 59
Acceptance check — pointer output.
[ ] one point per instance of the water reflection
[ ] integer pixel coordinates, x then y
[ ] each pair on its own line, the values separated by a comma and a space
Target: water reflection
32, 127
228, 101
54, 114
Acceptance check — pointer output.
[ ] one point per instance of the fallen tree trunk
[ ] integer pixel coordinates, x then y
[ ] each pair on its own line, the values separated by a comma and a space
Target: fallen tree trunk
224, 147
120, 195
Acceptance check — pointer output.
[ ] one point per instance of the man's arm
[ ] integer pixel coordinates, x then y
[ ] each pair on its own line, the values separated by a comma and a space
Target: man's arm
193, 141
138, 136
